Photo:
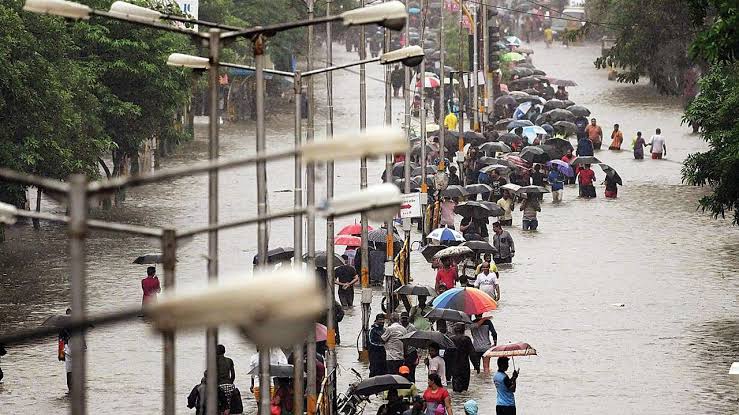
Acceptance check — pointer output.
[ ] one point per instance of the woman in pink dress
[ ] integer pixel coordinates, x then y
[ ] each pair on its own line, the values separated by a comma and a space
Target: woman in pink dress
150, 286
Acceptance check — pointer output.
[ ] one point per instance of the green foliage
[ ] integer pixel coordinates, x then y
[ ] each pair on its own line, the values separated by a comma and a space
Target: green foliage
455, 43
652, 39
718, 42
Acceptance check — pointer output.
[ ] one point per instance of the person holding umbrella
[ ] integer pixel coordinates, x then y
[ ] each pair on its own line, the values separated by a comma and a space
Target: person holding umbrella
507, 204
556, 181
377, 363
418, 313
461, 367
503, 242
505, 387
530, 206
150, 286
567, 158
585, 179
611, 182
482, 329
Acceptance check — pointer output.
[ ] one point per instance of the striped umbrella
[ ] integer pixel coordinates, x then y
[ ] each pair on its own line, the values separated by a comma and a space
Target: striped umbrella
511, 350
467, 300
445, 234
518, 161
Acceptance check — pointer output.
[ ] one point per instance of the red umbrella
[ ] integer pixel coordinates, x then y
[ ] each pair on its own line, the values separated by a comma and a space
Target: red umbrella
518, 161
511, 350
348, 240
321, 332
353, 229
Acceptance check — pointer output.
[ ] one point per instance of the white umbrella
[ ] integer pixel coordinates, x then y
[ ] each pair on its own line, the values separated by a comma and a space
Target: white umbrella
445, 234
276, 357
458, 250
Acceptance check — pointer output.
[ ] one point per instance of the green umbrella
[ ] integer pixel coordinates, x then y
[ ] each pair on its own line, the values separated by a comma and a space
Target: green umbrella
512, 57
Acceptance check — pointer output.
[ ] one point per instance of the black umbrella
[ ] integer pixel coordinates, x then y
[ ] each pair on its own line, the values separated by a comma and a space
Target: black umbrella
534, 154
430, 169
421, 290
429, 251
276, 371
584, 160
554, 149
472, 210
525, 65
399, 168
277, 255
568, 102
503, 124
526, 97
509, 138
495, 147
448, 314
522, 71
480, 247
519, 123
486, 161
454, 191
474, 189
505, 100
579, 110
554, 104
541, 119
611, 172
382, 383
416, 151
563, 82
539, 72
560, 115
380, 236
568, 127
495, 210
321, 259
57, 321
422, 339
532, 91
148, 259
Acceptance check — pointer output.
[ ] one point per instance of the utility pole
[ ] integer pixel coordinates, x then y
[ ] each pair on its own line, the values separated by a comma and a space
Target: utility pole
310, 195
475, 70
330, 318
364, 249
442, 99
422, 114
407, 165
389, 179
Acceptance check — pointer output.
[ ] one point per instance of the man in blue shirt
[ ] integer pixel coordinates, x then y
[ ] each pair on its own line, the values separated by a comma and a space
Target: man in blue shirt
556, 181
506, 387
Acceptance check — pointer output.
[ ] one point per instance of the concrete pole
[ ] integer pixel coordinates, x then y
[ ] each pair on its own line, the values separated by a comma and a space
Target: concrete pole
78, 286
262, 235
475, 69
407, 166
169, 258
442, 98
211, 337
330, 320
298, 367
422, 114
364, 249
389, 179
489, 104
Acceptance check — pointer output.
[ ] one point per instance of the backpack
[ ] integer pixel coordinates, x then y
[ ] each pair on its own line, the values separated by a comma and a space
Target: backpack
237, 406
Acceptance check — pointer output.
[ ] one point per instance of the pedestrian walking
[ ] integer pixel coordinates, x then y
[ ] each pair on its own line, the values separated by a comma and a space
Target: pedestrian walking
657, 145
556, 182
595, 134
567, 158
418, 314
487, 281
463, 350
346, 278
436, 364
538, 178
617, 138
496, 182
437, 397
377, 356
530, 206
611, 183
482, 329
150, 286
505, 387
394, 349
397, 77
198, 397
585, 178
447, 206
446, 274
638, 145
453, 177
410, 360
585, 146
503, 242
451, 121
507, 204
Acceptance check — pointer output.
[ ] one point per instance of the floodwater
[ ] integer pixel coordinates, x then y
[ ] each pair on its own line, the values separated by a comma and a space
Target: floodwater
666, 350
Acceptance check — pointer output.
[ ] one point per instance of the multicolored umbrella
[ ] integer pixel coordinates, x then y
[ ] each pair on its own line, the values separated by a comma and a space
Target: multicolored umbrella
353, 229
429, 82
467, 300
347, 240
445, 234
562, 166
511, 350
532, 131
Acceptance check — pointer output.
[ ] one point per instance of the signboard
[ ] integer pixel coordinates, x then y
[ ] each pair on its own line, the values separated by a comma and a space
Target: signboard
410, 205
189, 7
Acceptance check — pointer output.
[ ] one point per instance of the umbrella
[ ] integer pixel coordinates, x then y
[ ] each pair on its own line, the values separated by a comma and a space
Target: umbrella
522, 49
525, 65
486, 161
57, 321
531, 131
584, 160
512, 40
512, 57
474, 189
429, 251
468, 300
560, 115
522, 71
446, 234
495, 147
448, 315
562, 166
276, 370
454, 191
540, 73
554, 104
556, 147
472, 210
522, 109
579, 110
548, 128
505, 100
518, 161
562, 82
347, 240
525, 97
511, 186
495, 210
568, 127
610, 172
382, 383
532, 91
276, 357
321, 332
480, 247
429, 170
429, 82
519, 123
380, 236
277, 255
148, 259
511, 350
509, 138
532, 190
353, 229
399, 169
453, 251
322, 260
526, 80
416, 150
502, 124
534, 154
422, 339
420, 290
495, 167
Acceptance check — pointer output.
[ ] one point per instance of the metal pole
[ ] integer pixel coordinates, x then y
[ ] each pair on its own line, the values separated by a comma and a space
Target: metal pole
388, 178
214, 44
364, 248
422, 77
311, 222
407, 165
77, 231
169, 257
475, 69
442, 100
330, 320
298, 377
262, 236
488, 94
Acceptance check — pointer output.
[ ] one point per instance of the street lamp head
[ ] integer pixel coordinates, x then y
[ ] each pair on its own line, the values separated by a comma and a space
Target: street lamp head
268, 315
734, 369
409, 56
7, 213
379, 201
188, 61
134, 12
371, 142
391, 15
61, 8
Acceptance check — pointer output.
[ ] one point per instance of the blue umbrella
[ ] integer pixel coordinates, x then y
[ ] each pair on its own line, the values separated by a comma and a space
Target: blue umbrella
446, 235
562, 166
414, 10
532, 131
513, 40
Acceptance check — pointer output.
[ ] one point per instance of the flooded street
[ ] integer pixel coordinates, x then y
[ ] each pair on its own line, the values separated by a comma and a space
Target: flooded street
674, 269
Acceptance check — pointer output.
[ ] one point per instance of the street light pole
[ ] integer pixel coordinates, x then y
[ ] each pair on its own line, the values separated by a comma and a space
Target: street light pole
310, 177
214, 43
389, 179
407, 165
475, 69
298, 366
442, 100
77, 231
169, 257
422, 113
364, 248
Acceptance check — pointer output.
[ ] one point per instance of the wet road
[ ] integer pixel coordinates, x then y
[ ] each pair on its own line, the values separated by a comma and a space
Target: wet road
666, 351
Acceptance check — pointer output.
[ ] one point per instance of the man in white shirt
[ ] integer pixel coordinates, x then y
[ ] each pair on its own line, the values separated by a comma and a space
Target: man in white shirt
658, 146
436, 363
393, 345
